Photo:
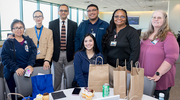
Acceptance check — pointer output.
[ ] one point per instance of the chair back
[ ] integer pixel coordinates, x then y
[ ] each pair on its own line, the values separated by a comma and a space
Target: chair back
2, 89
149, 86
69, 73
24, 85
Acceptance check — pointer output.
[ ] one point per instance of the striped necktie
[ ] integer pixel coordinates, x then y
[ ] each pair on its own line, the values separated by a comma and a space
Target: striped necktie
63, 38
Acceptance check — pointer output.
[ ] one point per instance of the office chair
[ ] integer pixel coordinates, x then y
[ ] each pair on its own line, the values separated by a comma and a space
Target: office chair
69, 73
149, 86
2, 89
24, 85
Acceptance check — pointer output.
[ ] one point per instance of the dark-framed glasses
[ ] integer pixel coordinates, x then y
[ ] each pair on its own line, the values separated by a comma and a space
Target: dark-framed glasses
122, 17
93, 10
63, 10
18, 28
38, 17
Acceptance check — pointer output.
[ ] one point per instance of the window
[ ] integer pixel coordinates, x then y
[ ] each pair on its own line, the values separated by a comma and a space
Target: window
8, 14
74, 14
80, 16
28, 13
55, 12
10, 10
45, 8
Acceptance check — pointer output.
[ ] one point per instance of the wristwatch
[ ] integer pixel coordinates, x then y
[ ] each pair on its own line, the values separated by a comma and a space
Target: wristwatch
157, 73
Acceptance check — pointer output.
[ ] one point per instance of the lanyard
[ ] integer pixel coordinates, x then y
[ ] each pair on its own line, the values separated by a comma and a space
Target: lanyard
38, 37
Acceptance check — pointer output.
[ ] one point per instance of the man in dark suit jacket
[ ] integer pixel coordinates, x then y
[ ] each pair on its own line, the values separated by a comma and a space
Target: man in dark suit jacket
64, 31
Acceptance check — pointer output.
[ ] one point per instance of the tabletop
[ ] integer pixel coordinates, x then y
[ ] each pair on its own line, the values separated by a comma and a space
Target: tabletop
70, 96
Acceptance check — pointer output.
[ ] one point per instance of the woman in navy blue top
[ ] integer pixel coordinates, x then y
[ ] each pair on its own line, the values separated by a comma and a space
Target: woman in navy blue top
18, 54
87, 55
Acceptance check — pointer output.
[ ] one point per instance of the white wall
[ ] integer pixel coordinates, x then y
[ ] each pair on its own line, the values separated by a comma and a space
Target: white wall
144, 18
174, 15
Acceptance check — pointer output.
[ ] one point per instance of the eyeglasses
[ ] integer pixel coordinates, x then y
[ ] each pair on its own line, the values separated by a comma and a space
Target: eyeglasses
63, 10
122, 17
93, 10
38, 17
157, 18
17, 28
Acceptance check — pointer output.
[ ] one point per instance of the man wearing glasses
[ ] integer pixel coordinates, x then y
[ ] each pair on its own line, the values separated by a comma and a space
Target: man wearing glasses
93, 25
64, 31
43, 39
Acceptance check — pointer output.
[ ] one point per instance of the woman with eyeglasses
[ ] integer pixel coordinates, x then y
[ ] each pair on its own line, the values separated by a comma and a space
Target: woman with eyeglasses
159, 51
121, 41
18, 54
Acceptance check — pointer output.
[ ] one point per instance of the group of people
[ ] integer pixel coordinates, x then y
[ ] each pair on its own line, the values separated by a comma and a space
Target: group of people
66, 43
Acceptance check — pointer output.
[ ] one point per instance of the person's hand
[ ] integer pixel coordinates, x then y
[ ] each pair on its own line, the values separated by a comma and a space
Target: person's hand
10, 37
155, 77
30, 68
46, 65
20, 72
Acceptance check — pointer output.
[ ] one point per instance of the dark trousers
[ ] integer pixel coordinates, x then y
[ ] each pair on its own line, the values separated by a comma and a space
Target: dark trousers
166, 93
40, 62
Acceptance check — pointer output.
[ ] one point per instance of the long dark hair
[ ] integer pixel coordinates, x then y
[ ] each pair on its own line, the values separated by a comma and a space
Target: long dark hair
110, 29
95, 48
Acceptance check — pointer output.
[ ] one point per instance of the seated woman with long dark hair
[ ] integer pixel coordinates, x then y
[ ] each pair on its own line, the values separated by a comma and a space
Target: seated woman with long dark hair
87, 55
18, 54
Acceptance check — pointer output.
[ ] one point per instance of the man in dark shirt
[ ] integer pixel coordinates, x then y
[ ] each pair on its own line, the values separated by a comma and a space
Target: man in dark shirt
93, 25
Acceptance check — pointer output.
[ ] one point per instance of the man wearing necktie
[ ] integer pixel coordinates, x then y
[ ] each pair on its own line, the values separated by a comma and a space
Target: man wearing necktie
64, 31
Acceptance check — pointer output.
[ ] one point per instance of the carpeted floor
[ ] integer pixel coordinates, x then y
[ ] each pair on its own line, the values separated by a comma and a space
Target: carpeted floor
175, 91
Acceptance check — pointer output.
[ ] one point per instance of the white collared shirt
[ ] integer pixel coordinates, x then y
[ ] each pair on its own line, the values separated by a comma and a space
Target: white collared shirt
60, 26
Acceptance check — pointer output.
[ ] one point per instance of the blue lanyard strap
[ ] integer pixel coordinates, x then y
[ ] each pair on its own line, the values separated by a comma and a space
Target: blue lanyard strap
38, 37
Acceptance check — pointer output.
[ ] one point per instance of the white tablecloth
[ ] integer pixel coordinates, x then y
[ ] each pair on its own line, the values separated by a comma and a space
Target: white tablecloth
70, 96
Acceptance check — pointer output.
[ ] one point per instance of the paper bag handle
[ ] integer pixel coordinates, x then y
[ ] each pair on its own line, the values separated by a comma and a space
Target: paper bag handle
97, 58
14, 94
117, 63
136, 66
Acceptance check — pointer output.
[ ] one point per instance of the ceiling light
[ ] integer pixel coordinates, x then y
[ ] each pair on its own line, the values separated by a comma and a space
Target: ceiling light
87, 1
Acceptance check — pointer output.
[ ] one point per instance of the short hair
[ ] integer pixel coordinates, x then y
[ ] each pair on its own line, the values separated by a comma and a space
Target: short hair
93, 5
64, 5
38, 11
16, 21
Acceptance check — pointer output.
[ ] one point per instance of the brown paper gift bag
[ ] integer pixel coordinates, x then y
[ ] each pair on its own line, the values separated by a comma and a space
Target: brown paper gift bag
136, 82
120, 80
98, 75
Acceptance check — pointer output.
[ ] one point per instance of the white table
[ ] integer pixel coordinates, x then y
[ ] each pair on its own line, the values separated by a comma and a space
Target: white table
70, 96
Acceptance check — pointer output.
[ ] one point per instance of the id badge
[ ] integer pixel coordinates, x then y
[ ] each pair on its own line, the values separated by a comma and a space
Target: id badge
113, 43
94, 34
38, 52
26, 48
154, 42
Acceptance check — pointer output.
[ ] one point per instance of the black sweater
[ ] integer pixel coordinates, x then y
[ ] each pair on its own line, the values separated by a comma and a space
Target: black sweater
127, 47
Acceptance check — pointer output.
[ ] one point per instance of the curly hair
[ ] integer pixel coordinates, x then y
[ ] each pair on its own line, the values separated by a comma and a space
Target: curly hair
110, 29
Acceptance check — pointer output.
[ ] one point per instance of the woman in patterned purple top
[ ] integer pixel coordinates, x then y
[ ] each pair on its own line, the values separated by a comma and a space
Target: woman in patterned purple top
158, 52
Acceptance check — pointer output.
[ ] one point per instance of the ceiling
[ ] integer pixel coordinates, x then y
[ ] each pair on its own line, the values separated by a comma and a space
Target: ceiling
111, 5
